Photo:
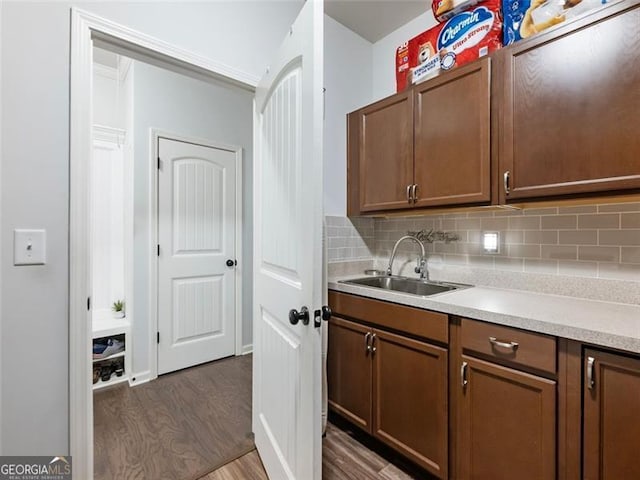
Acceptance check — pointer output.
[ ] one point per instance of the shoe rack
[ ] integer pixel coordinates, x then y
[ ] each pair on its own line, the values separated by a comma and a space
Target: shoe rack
112, 328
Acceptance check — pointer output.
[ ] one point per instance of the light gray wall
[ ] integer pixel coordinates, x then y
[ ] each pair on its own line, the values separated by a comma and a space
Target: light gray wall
347, 79
178, 104
35, 194
35, 38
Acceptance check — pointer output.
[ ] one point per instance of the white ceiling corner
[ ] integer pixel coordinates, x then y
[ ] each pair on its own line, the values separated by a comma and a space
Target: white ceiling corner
375, 19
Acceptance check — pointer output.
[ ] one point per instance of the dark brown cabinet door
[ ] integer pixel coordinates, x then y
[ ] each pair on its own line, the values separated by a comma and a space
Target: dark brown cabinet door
349, 371
611, 432
385, 154
507, 423
410, 399
452, 137
571, 108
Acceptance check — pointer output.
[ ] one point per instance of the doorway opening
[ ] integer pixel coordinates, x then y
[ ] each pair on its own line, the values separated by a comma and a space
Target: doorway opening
174, 200
163, 261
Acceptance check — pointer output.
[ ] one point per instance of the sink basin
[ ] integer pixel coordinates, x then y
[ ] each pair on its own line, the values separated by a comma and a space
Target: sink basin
412, 286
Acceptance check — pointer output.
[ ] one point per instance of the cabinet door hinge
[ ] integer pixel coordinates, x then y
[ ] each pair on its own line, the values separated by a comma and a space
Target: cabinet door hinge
158, 249
159, 163
88, 303
158, 337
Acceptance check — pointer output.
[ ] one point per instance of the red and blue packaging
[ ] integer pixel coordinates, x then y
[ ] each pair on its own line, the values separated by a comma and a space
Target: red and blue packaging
524, 18
464, 37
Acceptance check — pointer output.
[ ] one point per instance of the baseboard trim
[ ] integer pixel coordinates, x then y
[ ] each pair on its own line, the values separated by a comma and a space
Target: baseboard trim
140, 378
247, 349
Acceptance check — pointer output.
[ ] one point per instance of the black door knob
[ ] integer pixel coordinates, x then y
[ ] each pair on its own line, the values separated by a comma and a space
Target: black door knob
295, 316
326, 313
231, 263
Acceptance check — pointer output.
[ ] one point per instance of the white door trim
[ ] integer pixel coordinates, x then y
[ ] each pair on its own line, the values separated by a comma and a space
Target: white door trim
85, 28
154, 136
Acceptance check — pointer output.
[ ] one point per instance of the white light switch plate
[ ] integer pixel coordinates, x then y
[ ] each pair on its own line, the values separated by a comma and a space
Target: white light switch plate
29, 247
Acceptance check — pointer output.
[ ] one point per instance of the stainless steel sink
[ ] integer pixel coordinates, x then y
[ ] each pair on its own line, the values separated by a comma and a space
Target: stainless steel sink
413, 286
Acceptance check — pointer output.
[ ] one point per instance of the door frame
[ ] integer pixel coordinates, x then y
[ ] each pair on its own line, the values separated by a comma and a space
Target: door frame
85, 29
155, 135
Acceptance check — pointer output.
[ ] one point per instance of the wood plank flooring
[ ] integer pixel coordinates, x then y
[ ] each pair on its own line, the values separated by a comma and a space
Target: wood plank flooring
343, 458
185, 424
247, 467
178, 427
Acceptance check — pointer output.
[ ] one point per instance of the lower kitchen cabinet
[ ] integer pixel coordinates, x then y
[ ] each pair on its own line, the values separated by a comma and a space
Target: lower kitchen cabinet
392, 386
507, 423
410, 399
611, 418
349, 371
505, 403
506, 412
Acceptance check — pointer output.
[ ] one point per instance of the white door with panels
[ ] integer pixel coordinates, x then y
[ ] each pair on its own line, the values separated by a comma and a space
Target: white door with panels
288, 254
196, 272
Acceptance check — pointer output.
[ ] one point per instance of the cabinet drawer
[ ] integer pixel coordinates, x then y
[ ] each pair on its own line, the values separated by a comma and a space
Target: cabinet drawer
511, 345
413, 321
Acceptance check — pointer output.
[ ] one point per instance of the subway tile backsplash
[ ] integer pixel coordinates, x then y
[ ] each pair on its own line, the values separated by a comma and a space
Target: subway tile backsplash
349, 239
586, 241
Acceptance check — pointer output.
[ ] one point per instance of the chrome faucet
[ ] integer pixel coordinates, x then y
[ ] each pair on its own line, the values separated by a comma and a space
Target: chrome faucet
421, 266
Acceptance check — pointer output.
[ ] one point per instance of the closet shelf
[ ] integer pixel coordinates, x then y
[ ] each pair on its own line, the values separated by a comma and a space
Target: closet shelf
107, 327
113, 381
110, 357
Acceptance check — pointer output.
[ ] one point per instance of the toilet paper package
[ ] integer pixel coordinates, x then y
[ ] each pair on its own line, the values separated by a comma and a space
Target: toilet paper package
417, 59
463, 38
445, 9
524, 18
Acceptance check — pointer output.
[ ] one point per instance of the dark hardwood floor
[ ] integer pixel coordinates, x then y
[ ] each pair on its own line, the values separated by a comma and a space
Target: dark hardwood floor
247, 467
186, 424
178, 427
343, 458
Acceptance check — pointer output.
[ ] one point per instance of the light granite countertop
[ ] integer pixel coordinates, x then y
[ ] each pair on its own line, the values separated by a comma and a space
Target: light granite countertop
606, 324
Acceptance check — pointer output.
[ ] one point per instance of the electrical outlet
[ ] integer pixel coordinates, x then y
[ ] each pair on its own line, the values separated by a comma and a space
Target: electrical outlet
29, 247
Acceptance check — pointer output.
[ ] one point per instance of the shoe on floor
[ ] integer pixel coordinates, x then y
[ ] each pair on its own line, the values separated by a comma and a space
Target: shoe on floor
112, 347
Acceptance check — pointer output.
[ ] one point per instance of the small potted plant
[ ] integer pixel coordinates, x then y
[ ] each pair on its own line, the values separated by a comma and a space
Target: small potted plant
118, 309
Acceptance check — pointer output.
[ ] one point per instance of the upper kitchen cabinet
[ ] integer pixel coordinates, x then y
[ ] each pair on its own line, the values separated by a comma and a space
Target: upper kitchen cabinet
380, 160
452, 137
447, 120
571, 108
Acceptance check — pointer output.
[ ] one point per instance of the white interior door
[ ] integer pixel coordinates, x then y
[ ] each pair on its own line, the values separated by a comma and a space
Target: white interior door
196, 231
288, 253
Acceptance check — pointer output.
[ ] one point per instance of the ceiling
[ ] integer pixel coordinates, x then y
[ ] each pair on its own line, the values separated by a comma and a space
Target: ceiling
375, 19
371, 19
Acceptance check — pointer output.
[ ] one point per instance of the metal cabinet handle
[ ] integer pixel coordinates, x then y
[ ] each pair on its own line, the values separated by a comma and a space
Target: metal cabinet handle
366, 342
591, 381
414, 193
497, 343
463, 375
409, 198
373, 343
505, 179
